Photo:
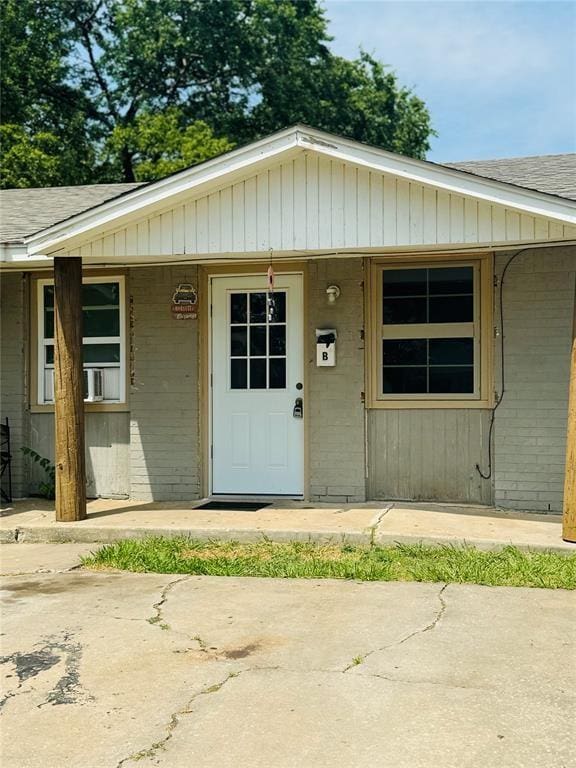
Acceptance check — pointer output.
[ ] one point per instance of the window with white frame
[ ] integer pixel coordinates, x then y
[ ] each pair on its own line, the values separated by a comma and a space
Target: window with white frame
103, 339
429, 333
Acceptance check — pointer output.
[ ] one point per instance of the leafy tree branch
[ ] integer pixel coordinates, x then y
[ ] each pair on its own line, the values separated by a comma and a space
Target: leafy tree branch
133, 89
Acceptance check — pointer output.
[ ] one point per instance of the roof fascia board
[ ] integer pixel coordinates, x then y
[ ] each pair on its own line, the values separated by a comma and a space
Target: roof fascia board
185, 182
441, 177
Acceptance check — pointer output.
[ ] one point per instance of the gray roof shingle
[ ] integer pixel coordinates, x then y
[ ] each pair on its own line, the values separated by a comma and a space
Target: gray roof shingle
25, 211
553, 174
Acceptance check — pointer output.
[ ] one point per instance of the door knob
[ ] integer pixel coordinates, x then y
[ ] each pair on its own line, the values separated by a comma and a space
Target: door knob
298, 411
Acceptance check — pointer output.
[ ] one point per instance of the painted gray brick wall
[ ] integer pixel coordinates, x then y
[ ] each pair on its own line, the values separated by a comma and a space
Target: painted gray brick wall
336, 411
530, 424
107, 452
13, 396
164, 420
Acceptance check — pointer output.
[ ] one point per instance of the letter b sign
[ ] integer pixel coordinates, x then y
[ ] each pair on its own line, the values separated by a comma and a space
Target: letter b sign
326, 355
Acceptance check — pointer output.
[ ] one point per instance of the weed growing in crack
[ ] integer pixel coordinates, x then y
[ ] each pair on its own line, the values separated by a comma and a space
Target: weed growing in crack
215, 688
150, 752
157, 621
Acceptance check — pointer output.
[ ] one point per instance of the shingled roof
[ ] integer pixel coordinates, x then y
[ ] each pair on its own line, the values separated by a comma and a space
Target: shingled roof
553, 174
26, 211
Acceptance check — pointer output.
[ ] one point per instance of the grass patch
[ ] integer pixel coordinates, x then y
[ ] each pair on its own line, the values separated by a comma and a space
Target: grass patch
402, 562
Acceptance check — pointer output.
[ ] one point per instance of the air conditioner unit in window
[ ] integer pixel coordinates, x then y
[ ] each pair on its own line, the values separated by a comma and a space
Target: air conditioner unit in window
93, 386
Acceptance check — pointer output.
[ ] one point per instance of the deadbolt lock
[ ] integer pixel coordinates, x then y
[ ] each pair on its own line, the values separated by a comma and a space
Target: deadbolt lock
298, 411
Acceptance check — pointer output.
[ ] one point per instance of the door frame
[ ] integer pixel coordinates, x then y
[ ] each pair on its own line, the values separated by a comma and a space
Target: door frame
205, 276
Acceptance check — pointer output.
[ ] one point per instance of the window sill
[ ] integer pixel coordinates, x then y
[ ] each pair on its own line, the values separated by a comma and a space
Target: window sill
424, 405
88, 408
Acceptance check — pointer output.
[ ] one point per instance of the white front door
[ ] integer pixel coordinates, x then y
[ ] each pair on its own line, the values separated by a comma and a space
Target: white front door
257, 377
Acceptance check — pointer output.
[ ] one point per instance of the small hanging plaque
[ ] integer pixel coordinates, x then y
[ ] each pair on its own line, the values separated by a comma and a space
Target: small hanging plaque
185, 302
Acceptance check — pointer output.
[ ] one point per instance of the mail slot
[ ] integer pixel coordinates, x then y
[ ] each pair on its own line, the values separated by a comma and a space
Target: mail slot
326, 347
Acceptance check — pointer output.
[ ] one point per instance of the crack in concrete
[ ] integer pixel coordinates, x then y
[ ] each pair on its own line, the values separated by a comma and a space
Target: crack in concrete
404, 681
175, 717
374, 526
174, 720
44, 571
79, 567
361, 658
365, 675
158, 619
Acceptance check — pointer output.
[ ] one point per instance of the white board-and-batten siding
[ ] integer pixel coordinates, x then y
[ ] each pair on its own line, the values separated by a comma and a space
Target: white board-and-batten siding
315, 203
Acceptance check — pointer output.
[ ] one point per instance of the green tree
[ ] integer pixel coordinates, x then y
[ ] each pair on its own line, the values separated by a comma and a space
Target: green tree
34, 50
142, 59
32, 160
44, 139
160, 83
360, 99
160, 144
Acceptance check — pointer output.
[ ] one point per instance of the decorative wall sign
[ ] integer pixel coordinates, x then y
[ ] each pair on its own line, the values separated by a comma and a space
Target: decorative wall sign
185, 302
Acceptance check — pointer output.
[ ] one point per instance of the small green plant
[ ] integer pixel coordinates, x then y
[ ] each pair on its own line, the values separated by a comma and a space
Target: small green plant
48, 487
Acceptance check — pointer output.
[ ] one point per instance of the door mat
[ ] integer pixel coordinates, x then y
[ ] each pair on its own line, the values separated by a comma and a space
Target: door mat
238, 506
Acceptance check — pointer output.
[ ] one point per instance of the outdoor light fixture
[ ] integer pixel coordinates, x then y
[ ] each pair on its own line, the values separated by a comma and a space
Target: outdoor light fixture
333, 292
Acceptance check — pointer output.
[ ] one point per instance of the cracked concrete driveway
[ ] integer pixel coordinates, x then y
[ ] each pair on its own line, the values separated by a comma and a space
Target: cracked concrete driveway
102, 670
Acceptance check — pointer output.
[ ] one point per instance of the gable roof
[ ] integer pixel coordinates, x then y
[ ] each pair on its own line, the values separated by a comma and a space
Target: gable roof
48, 219
552, 174
25, 211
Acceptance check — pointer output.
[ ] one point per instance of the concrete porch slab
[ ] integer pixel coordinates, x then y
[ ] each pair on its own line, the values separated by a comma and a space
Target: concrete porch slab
32, 520
483, 527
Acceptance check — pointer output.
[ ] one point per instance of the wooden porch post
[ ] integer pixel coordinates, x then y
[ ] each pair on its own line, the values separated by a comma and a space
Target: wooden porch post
69, 390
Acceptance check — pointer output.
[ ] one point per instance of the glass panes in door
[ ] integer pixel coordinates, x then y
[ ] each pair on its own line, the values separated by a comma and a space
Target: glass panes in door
257, 351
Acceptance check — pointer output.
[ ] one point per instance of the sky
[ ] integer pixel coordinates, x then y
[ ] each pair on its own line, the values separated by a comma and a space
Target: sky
498, 76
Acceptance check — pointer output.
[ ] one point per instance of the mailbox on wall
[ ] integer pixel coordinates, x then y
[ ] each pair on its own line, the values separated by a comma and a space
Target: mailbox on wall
326, 347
